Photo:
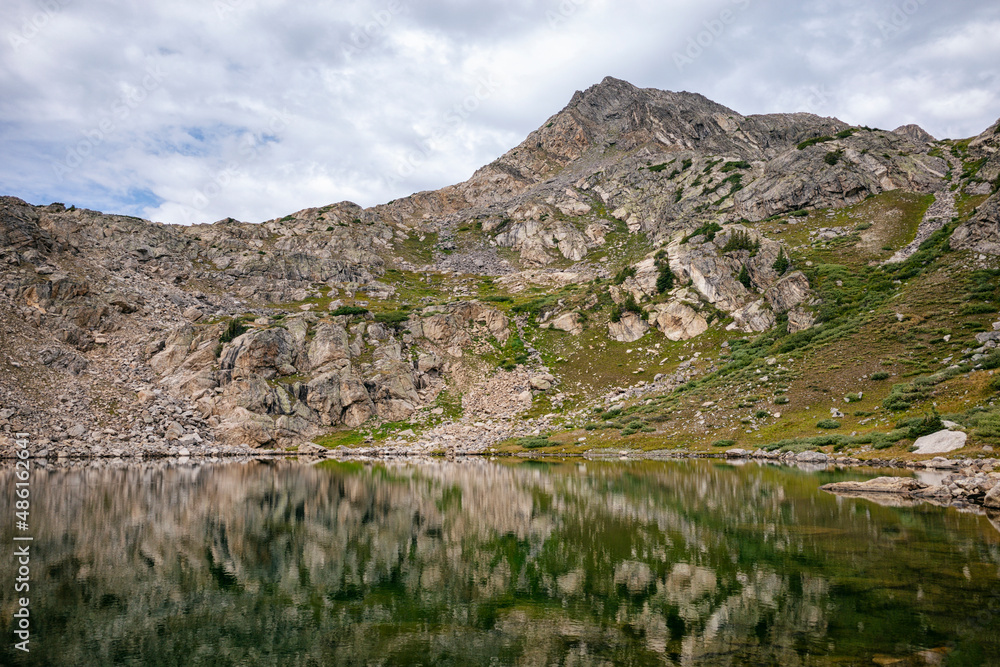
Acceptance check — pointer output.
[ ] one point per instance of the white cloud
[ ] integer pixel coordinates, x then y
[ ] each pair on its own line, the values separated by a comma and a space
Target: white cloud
259, 108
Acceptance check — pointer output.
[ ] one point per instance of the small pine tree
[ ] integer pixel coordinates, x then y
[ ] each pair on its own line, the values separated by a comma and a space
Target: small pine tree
781, 264
665, 280
744, 277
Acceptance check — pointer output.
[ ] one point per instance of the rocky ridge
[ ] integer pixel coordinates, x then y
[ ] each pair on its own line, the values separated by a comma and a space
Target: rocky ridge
631, 214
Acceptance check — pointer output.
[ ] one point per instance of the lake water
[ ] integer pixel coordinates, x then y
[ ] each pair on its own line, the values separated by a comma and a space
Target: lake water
493, 563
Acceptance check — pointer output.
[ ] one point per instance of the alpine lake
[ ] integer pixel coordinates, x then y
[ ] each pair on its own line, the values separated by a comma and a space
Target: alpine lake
494, 562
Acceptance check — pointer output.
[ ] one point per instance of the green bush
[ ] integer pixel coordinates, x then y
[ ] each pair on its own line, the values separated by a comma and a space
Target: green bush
781, 400
761, 414
744, 276
394, 318
497, 299
991, 361
665, 280
921, 426
234, 329
624, 274
657, 168
843, 134
708, 230
724, 443
349, 310
591, 427
534, 442
881, 375
731, 166
977, 309
782, 263
610, 414
741, 240
832, 158
828, 424
812, 142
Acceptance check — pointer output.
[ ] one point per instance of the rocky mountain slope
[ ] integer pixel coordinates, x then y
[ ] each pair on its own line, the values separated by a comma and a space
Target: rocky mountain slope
647, 269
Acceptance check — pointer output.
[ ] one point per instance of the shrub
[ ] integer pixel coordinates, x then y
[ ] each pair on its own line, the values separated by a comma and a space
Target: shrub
801, 213
741, 240
781, 264
498, 299
843, 134
812, 142
610, 414
234, 329
395, 318
922, 426
832, 158
781, 400
657, 168
686, 164
731, 166
991, 361
881, 375
708, 230
624, 274
591, 427
664, 281
349, 310
724, 443
744, 277
977, 309
534, 442
828, 424
862, 226
761, 414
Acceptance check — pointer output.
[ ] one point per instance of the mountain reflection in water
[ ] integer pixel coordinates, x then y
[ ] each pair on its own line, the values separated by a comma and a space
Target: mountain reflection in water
478, 562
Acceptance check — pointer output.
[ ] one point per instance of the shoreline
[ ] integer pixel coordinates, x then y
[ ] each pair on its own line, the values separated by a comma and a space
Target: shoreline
963, 481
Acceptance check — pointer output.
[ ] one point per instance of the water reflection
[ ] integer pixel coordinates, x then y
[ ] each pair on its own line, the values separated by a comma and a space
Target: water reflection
570, 563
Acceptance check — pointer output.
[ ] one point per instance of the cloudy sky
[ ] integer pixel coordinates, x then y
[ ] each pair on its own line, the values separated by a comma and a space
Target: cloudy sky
195, 110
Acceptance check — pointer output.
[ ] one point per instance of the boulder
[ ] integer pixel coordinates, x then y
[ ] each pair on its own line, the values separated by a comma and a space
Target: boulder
193, 314
243, 427
800, 319
323, 396
992, 499
257, 354
329, 347
628, 329
903, 485
788, 292
754, 317
568, 322
542, 382
812, 457
941, 442
679, 321
737, 454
